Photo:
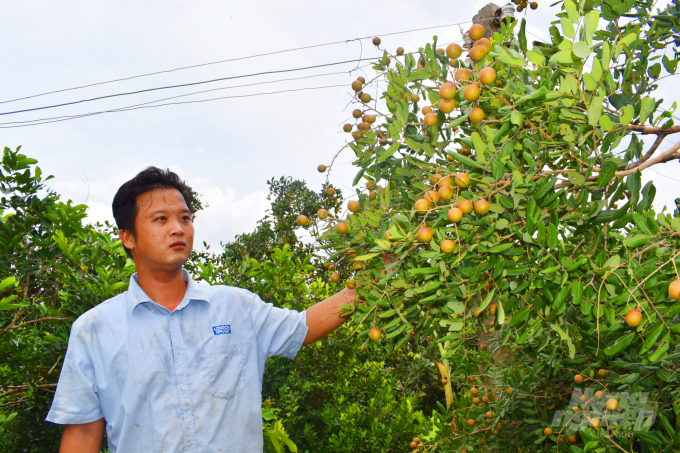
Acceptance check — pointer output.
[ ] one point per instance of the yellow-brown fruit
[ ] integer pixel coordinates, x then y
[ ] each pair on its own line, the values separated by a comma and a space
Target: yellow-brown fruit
356, 113
462, 75
572, 439
576, 409
594, 423
376, 41
476, 401
347, 127
322, 213
476, 32
432, 196
413, 445
533, 5
302, 220
342, 228
612, 404
370, 119
365, 98
474, 391
462, 180
471, 93
470, 423
633, 318
435, 178
335, 277
430, 120
466, 206
357, 85
481, 206
370, 185
560, 439
427, 109
674, 290
447, 105
548, 432
445, 181
353, 205
602, 373
351, 284
364, 126
477, 312
400, 51
477, 53
422, 206
485, 399
326, 265
330, 191
453, 51
415, 98
487, 75
493, 308
578, 379
440, 51
447, 90
357, 266
357, 134
476, 115
445, 192
321, 168
416, 440
425, 235
454, 215
484, 43
374, 334
509, 390
489, 415
447, 246
387, 235
599, 394
583, 398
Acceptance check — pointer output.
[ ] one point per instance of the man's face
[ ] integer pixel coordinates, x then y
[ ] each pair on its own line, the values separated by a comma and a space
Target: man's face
165, 232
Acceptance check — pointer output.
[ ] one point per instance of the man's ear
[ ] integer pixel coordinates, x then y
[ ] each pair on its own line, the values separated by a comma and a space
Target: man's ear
127, 238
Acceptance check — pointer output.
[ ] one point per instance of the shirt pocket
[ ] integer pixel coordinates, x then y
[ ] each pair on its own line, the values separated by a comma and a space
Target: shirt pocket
226, 364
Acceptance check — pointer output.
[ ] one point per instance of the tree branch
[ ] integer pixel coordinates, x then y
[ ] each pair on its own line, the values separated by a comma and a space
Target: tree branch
23, 388
10, 327
653, 130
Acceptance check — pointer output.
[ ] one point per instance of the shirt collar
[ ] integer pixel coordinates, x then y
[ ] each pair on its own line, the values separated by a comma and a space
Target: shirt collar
195, 291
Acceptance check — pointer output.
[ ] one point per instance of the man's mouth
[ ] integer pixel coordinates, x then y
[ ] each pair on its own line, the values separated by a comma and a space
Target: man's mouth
178, 245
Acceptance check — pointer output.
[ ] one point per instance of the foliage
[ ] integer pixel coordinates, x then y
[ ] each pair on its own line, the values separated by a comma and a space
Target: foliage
563, 241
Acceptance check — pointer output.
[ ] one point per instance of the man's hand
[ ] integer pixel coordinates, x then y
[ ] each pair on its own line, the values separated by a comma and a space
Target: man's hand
85, 438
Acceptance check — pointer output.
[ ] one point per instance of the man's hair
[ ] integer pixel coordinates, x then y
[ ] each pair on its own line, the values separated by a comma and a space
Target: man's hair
125, 202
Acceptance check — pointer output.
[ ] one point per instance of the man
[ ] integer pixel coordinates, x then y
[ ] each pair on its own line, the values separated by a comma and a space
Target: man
174, 365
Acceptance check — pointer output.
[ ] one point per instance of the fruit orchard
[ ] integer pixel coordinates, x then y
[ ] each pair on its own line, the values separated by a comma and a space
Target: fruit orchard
504, 232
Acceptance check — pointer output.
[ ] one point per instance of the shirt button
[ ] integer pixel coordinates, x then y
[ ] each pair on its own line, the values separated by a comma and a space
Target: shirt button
172, 317
184, 387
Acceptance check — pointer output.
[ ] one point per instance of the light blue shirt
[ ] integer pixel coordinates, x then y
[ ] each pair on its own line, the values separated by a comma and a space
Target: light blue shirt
188, 381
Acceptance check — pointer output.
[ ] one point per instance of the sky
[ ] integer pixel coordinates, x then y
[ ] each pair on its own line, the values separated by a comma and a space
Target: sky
225, 149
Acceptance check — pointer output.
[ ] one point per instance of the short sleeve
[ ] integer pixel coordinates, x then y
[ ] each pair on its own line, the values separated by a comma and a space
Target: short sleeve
76, 400
280, 331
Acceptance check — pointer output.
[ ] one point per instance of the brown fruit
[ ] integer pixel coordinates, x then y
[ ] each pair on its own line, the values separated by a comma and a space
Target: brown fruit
357, 134
445, 192
548, 432
335, 277
578, 379
476, 115
374, 334
415, 98
447, 105
633, 318
471, 93
365, 98
432, 196
484, 43
353, 206
572, 439
453, 51
447, 90
372, 196
481, 206
416, 440
321, 168
440, 51
509, 390
462, 75
445, 181
476, 32
330, 191
447, 246
602, 373
583, 398
465, 151
470, 423
376, 41
430, 119
356, 113
576, 409
322, 213
466, 206
487, 75
387, 235
462, 180
612, 404
422, 206
342, 228
357, 266
326, 265
364, 126
674, 290
476, 401
425, 235
533, 5
370, 185
474, 391
454, 215
435, 178
594, 423
477, 53
477, 312
347, 127
400, 51
599, 394
302, 220
413, 445
485, 399
427, 109
489, 415
370, 119
357, 85
351, 284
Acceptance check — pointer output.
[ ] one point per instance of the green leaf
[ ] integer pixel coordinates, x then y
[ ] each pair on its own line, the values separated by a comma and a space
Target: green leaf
572, 11
8, 281
458, 120
516, 118
626, 115
567, 27
480, 147
501, 313
540, 93
607, 173
651, 335
534, 57
620, 344
581, 49
465, 160
646, 106
591, 22
487, 300
367, 257
595, 110
506, 58
500, 248
391, 150
521, 36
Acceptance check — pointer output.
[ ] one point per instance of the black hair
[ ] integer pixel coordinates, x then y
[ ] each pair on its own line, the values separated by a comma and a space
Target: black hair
152, 178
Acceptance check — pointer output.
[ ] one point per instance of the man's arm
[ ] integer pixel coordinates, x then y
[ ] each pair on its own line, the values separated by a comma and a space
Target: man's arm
325, 317
85, 438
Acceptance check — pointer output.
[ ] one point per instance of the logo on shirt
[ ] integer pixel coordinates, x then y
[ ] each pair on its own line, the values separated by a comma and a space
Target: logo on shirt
221, 330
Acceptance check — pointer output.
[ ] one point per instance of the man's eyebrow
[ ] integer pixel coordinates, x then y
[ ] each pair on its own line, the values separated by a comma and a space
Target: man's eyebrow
165, 211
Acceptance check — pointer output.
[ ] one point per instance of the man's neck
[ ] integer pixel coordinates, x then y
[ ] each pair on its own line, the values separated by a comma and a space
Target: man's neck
164, 288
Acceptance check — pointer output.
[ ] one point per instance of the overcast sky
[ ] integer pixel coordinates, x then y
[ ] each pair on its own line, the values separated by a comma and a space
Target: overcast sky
226, 149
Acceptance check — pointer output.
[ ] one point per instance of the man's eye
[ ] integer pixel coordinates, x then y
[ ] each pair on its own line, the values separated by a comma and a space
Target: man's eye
160, 218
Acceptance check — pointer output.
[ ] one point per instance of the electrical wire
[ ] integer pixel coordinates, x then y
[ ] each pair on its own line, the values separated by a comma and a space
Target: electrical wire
232, 60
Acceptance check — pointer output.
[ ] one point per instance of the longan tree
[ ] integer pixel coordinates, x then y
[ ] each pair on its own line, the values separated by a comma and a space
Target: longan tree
505, 232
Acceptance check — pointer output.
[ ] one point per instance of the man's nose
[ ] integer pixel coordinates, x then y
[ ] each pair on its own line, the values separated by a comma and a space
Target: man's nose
176, 228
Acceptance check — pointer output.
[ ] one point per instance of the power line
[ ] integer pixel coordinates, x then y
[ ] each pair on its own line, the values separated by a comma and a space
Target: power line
231, 60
